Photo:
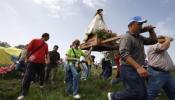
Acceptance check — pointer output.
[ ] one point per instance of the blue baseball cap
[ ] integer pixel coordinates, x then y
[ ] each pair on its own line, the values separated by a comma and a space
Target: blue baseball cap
137, 19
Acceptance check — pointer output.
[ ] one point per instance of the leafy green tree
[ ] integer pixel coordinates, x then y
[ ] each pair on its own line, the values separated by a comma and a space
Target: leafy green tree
21, 46
4, 44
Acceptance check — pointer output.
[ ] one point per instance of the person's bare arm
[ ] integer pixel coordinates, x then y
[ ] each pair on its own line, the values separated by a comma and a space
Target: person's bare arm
152, 39
47, 58
166, 44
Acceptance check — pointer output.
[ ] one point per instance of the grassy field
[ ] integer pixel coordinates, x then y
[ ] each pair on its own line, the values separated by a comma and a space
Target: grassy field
92, 89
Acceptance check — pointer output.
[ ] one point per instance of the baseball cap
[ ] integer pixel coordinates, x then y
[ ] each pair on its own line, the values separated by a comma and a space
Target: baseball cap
137, 19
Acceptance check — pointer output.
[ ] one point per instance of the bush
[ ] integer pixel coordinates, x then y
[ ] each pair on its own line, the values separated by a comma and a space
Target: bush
102, 34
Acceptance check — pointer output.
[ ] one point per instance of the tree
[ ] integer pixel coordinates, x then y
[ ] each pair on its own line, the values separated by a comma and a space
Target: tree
21, 46
5, 44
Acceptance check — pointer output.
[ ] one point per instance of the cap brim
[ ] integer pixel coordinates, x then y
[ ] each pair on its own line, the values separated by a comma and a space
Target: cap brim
143, 21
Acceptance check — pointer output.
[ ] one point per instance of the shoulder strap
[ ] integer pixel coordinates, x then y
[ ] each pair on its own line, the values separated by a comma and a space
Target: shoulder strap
34, 50
19, 55
74, 53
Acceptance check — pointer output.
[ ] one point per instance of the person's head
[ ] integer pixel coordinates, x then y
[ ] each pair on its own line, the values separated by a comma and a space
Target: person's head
99, 11
45, 36
107, 54
76, 43
93, 58
55, 47
135, 24
161, 39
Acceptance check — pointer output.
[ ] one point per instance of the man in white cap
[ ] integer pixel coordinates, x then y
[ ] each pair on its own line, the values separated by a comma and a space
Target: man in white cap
132, 54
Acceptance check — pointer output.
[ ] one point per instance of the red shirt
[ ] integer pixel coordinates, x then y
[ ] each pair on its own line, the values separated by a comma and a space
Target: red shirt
117, 60
39, 55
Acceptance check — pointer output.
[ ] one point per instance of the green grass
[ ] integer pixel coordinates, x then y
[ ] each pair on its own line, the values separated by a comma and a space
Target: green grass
92, 89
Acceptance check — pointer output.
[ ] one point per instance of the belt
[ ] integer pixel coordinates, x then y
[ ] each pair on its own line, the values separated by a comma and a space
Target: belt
158, 69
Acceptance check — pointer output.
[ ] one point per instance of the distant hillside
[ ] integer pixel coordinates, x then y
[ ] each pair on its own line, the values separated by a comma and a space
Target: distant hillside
13, 51
6, 55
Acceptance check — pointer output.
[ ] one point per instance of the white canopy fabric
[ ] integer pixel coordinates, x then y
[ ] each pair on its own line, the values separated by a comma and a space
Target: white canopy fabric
96, 24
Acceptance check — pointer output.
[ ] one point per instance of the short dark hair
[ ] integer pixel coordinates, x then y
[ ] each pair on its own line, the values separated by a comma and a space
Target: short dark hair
45, 35
55, 46
76, 41
160, 37
131, 23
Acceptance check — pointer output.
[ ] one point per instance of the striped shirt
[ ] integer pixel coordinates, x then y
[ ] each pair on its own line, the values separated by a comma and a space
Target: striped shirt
159, 59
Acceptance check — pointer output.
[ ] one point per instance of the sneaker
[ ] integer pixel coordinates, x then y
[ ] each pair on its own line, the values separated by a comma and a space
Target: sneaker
41, 86
32, 82
85, 79
20, 97
77, 96
109, 96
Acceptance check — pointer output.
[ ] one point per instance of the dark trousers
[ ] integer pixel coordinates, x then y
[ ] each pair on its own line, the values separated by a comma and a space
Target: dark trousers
21, 66
32, 70
135, 85
106, 72
51, 69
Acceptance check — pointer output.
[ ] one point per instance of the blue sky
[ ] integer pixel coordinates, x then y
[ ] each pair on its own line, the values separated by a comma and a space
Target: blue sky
66, 20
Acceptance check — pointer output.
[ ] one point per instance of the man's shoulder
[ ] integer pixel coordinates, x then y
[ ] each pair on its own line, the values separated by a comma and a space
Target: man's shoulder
36, 39
77, 50
152, 47
126, 38
39, 41
54, 52
69, 50
126, 35
50, 51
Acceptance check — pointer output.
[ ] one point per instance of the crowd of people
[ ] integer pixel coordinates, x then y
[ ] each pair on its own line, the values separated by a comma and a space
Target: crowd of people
143, 81
130, 61
37, 63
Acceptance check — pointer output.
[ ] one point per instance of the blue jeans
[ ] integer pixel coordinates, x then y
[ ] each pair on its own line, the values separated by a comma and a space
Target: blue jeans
106, 72
158, 80
135, 85
85, 70
89, 69
72, 79
21, 66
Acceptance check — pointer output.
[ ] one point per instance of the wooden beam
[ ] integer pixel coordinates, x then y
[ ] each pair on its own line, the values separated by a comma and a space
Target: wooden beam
89, 51
110, 39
